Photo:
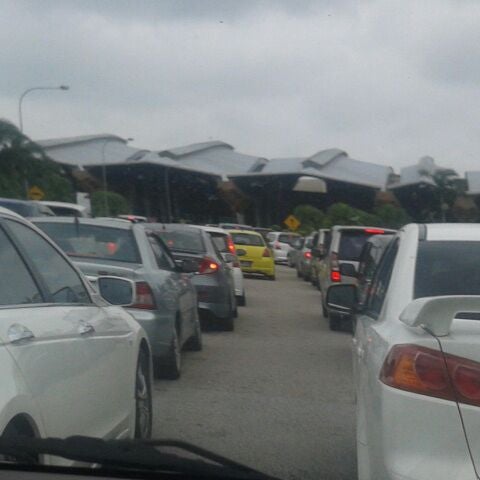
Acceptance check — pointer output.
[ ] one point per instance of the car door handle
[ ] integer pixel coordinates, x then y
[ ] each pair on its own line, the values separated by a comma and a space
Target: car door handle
18, 333
85, 329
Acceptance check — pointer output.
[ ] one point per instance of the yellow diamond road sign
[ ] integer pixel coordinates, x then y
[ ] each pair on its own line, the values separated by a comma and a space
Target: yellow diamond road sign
35, 193
292, 222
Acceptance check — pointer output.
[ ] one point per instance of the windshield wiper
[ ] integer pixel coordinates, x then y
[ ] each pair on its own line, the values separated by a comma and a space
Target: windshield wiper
129, 454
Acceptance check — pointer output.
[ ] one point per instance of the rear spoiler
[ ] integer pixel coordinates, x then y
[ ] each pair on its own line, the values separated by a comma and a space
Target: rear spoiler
436, 314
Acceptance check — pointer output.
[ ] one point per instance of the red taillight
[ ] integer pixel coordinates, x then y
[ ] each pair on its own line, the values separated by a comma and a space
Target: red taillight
424, 371
334, 268
374, 231
307, 255
277, 246
266, 253
231, 245
144, 297
208, 266
335, 276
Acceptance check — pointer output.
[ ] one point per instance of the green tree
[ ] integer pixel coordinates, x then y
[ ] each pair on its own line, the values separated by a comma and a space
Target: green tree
117, 204
390, 216
310, 218
23, 164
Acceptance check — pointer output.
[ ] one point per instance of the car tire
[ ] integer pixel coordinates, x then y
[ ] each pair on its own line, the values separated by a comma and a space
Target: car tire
299, 273
271, 277
228, 324
170, 366
241, 300
13, 430
195, 342
143, 398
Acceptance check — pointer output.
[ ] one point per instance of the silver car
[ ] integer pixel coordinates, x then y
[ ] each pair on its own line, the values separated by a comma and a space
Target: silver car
281, 244
212, 278
304, 259
166, 303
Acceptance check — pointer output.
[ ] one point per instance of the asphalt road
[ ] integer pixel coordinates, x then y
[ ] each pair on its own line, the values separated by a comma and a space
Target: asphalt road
276, 394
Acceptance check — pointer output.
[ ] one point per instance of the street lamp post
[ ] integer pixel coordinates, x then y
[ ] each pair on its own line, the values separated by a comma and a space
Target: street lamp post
104, 172
22, 96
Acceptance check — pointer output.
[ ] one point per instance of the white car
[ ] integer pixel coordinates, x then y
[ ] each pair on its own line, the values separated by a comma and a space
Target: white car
281, 244
416, 352
223, 241
72, 363
65, 209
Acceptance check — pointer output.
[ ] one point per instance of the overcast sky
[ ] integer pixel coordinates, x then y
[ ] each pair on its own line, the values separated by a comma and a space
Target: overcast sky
387, 81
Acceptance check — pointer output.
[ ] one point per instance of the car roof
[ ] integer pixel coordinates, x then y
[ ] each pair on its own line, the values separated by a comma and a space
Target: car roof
214, 229
339, 228
73, 206
101, 222
173, 226
453, 231
246, 232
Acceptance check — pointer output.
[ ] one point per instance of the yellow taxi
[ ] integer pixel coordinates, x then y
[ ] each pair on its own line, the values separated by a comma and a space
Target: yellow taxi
254, 254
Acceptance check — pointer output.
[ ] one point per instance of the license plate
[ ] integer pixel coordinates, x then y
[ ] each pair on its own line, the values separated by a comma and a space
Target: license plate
244, 263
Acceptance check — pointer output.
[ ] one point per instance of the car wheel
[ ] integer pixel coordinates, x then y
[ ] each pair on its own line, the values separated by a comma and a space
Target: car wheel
241, 300
15, 430
271, 277
170, 366
299, 273
195, 343
143, 398
228, 324
334, 322
317, 283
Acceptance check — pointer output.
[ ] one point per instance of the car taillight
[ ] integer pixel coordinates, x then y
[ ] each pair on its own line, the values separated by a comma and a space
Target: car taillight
231, 245
144, 297
266, 253
307, 255
334, 268
208, 266
277, 246
374, 231
426, 371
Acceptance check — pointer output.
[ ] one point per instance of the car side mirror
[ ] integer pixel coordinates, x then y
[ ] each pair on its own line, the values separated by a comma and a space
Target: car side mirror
229, 257
117, 290
342, 298
348, 270
241, 252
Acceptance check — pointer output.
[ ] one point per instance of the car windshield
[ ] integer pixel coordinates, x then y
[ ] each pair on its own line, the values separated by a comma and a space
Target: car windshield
230, 160
247, 239
188, 241
221, 241
447, 268
21, 208
93, 241
351, 244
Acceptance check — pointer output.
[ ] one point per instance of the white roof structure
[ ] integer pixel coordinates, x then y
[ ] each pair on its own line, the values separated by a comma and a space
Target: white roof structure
215, 158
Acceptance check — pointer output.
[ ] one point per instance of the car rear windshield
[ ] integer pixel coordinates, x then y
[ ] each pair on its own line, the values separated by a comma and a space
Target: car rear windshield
447, 268
220, 240
185, 241
22, 209
287, 238
247, 239
93, 241
351, 244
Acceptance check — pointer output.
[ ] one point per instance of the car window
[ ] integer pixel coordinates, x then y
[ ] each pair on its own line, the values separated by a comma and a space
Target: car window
308, 243
366, 271
247, 240
17, 285
93, 241
62, 281
351, 244
447, 268
164, 261
381, 280
22, 209
188, 241
287, 238
220, 241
